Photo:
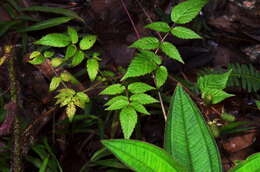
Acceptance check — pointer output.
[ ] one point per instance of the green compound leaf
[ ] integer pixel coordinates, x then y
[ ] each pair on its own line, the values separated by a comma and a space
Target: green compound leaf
184, 33
142, 157
55, 82
113, 90
139, 108
73, 35
46, 24
70, 111
139, 66
78, 58
92, 68
170, 50
186, 11
87, 42
187, 137
128, 120
161, 76
159, 26
70, 51
139, 87
214, 81
143, 99
146, 43
214, 96
118, 105
115, 99
54, 40
251, 164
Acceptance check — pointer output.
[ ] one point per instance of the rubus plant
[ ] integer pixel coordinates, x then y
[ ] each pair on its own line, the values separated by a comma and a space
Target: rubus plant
76, 51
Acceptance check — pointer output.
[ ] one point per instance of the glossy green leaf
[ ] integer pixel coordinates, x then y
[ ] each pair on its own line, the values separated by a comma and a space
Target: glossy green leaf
187, 136
139, 107
143, 98
161, 76
142, 157
55, 82
118, 105
214, 96
128, 120
139, 87
115, 99
170, 50
150, 55
159, 26
184, 33
77, 58
185, 11
146, 43
87, 42
73, 35
54, 40
62, 11
92, 68
70, 51
251, 164
46, 24
113, 90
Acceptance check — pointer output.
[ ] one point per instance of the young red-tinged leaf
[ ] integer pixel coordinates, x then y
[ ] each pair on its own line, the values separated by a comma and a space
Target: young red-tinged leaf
92, 68
159, 26
55, 82
170, 50
87, 42
161, 76
143, 157
73, 35
143, 99
78, 58
184, 33
54, 40
139, 87
146, 43
113, 90
128, 120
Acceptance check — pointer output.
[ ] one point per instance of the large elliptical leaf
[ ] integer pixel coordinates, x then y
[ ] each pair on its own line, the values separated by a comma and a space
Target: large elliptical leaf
187, 136
251, 164
142, 157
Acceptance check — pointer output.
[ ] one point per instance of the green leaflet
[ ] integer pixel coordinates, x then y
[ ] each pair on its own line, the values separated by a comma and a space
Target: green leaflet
143, 98
161, 76
46, 24
115, 99
78, 58
70, 51
159, 26
113, 90
54, 40
142, 157
146, 43
170, 50
55, 82
70, 111
118, 105
251, 164
187, 136
73, 35
184, 33
128, 120
92, 68
87, 42
139, 87
214, 96
139, 108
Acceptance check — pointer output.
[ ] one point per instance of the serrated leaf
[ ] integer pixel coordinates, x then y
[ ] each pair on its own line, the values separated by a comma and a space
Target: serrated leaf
251, 164
113, 90
70, 111
87, 42
77, 58
70, 51
170, 50
142, 157
139, 87
159, 26
187, 137
128, 120
185, 11
143, 99
139, 66
151, 55
115, 99
55, 82
214, 81
215, 95
118, 105
66, 12
184, 33
146, 43
73, 35
139, 108
82, 96
46, 24
54, 40
37, 60
66, 76
34, 54
161, 76
92, 68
